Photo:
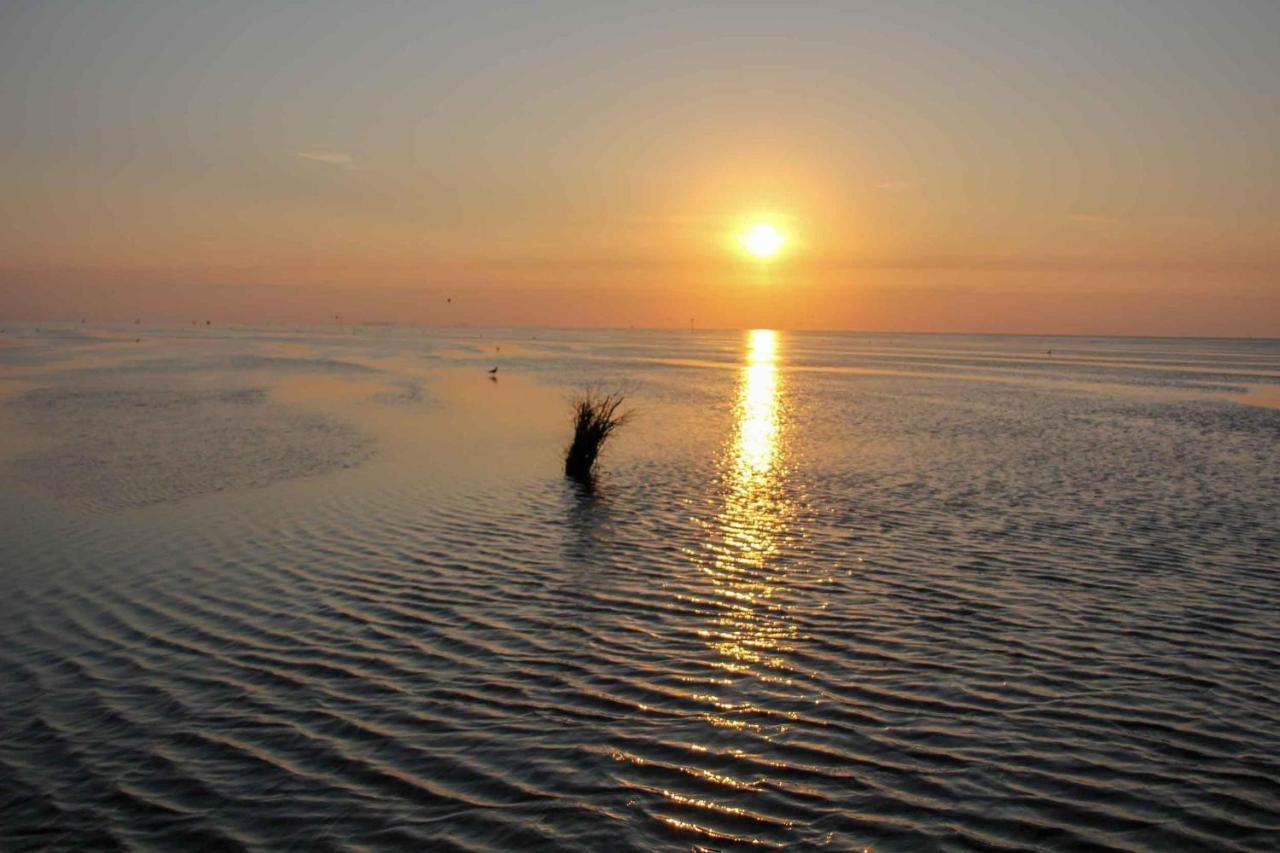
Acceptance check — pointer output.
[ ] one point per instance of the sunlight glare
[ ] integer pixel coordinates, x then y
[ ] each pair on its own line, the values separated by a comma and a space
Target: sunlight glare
758, 407
762, 240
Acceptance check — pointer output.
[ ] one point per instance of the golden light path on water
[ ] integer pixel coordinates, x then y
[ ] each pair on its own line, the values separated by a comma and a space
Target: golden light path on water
745, 619
757, 410
752, 629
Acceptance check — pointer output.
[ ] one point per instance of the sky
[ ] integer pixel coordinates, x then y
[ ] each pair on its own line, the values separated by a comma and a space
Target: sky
1077, 168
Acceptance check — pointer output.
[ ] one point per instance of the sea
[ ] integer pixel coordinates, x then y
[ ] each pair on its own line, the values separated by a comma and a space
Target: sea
328, 588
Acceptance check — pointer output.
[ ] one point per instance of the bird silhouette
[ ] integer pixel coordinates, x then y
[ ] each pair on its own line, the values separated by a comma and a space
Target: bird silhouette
492, 371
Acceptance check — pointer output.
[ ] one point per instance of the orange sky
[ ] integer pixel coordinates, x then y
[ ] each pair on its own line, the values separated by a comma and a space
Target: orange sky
981, 167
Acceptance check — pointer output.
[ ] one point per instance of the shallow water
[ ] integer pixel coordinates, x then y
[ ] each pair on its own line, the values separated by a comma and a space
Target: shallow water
326, 589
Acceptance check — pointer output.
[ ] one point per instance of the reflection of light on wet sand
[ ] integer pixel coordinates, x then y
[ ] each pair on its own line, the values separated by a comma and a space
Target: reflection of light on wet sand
320, 389
1261, 395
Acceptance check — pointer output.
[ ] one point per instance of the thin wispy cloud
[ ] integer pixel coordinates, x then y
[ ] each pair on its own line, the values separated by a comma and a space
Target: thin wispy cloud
898, 186
332, 158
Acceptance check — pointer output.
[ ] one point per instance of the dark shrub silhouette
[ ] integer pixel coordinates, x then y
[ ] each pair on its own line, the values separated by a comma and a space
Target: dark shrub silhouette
595, 417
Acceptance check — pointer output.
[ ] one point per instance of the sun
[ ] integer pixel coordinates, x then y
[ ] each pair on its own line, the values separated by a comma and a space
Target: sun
762, 240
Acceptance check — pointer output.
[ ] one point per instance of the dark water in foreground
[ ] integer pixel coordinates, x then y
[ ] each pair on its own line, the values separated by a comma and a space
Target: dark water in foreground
327, 590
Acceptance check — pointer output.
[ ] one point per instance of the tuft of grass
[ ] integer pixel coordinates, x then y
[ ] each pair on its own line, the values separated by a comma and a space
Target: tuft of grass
595, 418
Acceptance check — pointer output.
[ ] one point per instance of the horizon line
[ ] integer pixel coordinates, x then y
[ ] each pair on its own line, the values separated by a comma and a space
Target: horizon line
383, 324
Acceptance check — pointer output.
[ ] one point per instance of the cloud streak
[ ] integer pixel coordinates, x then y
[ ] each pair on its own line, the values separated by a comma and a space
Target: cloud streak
332, 158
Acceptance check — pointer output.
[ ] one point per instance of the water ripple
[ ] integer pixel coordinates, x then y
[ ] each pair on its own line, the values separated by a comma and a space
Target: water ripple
854, 614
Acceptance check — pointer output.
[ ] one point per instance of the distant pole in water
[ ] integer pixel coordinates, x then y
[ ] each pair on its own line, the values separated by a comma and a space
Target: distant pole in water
691, 324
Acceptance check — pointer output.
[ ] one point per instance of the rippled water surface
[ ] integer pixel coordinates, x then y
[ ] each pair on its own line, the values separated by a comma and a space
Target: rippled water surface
327, 589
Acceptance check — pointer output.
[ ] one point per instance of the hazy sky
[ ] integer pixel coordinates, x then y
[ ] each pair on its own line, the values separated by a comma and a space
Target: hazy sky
1072, 167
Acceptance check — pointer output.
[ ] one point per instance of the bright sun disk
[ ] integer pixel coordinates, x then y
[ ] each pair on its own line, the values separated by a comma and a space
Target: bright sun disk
762, 240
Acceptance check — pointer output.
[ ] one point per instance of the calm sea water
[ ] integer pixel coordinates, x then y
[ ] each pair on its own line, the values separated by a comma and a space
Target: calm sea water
327, 589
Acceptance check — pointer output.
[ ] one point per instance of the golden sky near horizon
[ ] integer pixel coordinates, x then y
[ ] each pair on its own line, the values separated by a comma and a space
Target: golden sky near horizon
1094, 168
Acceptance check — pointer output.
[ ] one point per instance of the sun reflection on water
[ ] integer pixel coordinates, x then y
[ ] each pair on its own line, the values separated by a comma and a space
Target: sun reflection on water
751, 631
743, 612
757, 410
